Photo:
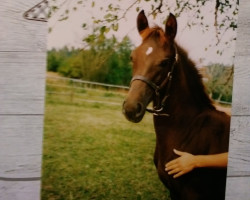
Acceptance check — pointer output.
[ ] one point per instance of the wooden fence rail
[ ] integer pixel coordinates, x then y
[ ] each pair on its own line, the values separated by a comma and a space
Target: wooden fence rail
88, 82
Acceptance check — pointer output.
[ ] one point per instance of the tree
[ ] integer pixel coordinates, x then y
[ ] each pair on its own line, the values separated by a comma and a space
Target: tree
104, 61
53, 62
56, 58
220, 81
118, 66
108, 61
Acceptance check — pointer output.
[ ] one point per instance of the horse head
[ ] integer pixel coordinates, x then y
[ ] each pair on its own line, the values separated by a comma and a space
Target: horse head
152, 61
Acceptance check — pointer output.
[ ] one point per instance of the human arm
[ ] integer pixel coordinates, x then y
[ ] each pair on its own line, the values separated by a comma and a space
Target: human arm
187, 162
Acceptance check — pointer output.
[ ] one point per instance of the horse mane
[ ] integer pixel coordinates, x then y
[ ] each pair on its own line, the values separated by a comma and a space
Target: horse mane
194, 80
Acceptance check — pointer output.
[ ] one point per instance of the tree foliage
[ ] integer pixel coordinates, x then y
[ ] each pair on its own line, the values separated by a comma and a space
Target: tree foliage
220, 82
104, 61
111, 13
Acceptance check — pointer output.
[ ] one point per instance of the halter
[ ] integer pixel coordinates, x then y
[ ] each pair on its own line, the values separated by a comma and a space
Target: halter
159, 109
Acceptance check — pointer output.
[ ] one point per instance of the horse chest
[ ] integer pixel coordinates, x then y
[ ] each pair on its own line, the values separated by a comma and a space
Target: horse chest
186, 137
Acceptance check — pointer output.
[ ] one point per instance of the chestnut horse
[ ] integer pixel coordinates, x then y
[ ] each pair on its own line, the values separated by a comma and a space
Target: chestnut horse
184, 116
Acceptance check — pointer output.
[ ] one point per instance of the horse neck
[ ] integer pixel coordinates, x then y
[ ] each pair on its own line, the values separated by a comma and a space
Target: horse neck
187, 93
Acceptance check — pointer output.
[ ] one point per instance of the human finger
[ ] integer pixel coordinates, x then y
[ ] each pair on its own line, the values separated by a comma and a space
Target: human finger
171, 167
170, 163
179, 174
179, 153
174, 171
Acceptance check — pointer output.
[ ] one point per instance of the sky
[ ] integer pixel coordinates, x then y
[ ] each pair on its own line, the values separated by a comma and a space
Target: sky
70, 32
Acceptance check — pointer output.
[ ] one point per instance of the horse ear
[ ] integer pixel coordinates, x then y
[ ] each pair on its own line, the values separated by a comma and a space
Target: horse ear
171, 27
142, 22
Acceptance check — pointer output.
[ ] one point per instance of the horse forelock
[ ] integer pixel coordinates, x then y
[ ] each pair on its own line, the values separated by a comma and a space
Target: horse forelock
155, 32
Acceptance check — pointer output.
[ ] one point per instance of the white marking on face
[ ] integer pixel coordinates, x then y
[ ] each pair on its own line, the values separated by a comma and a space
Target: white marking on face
149, 50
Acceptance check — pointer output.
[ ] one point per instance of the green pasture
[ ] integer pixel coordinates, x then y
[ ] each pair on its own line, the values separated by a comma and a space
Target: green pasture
90, 151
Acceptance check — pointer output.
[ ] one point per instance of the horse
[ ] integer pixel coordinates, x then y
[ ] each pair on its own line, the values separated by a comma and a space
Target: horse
184, 116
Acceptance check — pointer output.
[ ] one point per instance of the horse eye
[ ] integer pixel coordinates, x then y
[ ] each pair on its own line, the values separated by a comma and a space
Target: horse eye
164, 62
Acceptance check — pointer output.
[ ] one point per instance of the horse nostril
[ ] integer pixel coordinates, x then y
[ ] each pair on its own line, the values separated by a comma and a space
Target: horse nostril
133, 111
139, 109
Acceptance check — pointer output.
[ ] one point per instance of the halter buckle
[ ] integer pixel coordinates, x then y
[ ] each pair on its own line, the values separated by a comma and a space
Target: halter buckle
157, 112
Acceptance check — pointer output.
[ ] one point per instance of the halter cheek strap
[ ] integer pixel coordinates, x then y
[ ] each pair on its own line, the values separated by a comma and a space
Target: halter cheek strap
155, 87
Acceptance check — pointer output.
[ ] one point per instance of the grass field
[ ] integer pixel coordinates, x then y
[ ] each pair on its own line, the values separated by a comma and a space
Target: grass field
92, 152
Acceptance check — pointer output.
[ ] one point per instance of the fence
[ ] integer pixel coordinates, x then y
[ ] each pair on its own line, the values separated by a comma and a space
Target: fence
88, 83
87, 91
74, 88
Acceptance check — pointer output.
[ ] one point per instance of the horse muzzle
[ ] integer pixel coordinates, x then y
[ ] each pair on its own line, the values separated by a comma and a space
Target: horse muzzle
133, 111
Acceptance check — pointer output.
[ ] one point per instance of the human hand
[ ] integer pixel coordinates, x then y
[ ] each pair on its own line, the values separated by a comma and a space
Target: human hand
182, 165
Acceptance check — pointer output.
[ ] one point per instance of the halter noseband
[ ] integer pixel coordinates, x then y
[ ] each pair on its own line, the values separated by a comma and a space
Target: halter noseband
159, 109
